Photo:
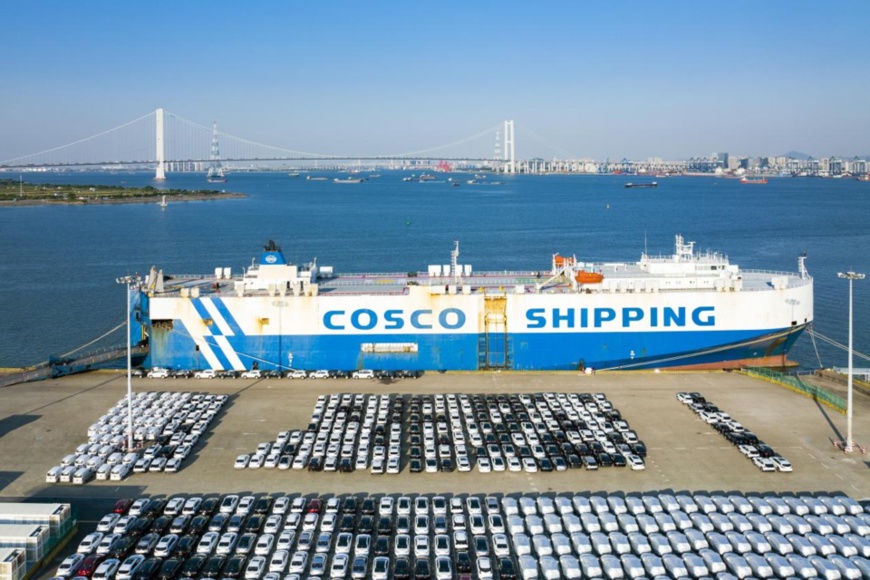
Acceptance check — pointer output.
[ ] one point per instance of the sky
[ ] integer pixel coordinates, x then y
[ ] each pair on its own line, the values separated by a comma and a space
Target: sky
667, 79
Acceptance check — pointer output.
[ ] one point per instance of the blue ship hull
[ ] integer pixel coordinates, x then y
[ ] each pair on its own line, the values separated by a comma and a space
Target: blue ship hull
469, 352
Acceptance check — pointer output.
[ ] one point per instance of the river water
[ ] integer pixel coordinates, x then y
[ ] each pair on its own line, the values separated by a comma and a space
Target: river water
58, 264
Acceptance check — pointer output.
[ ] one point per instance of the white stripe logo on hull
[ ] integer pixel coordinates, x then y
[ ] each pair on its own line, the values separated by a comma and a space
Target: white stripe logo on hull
217, 317
229, 352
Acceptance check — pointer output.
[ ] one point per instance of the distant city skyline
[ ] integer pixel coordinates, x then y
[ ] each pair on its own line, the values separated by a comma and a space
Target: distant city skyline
672, 80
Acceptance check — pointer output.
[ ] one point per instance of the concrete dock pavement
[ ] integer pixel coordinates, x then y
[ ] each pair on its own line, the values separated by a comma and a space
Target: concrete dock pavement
42, 422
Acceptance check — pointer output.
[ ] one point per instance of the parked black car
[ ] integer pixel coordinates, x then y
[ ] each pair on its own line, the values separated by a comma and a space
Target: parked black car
193, 565
235, 567
170, 569
148, 569
402, 568
214, 565
422, 570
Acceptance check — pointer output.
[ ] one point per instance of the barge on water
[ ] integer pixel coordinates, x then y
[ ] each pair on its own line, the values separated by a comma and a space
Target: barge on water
686, 310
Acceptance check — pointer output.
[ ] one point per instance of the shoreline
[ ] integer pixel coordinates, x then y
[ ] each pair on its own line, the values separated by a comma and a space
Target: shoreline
155, 199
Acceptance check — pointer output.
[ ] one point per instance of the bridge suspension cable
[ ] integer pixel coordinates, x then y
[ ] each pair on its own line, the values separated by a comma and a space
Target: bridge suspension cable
488, 131
242, 140
555, 147
80, 141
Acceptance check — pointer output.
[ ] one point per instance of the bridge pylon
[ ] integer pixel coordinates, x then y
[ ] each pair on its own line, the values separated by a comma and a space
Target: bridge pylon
509, 153
160, 173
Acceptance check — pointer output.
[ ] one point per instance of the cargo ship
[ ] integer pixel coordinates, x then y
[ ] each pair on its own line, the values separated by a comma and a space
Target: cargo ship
686, 310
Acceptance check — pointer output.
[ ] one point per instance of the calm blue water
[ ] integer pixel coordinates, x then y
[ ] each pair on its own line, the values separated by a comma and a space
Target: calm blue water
58, 264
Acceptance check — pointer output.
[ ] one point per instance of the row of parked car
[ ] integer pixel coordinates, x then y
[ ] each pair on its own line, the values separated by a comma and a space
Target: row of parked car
164, 373
447, 432
166, 428
528, 536
762, 455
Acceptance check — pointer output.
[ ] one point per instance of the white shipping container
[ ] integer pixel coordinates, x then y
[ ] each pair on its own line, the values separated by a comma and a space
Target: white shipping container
54, 515
13, 563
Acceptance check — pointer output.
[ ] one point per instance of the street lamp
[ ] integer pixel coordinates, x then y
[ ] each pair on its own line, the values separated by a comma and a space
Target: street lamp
128, 281
850, 276
280, 304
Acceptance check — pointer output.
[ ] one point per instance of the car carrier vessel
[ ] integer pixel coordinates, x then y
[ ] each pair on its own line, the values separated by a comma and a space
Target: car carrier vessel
686, 310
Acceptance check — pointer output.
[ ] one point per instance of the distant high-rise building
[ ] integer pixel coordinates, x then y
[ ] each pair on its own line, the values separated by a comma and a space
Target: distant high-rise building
722, 158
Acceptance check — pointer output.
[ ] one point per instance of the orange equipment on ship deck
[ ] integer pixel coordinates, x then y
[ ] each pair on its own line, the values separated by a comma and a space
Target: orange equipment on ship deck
584, 277
560, 261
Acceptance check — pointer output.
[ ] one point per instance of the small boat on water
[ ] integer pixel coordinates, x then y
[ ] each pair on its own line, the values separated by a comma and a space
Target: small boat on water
309, 178
293, 174
348, 180
216, 175
631, 185
762, 181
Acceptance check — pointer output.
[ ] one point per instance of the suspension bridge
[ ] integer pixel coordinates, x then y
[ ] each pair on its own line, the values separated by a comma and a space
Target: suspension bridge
168, 142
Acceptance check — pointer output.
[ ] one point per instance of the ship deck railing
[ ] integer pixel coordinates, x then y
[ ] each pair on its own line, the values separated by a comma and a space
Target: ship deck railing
480, 281
774, 273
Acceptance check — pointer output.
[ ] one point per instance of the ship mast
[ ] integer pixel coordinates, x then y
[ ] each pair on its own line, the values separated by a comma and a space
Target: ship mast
454, 258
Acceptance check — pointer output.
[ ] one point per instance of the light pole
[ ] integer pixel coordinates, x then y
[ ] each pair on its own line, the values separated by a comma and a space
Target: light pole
280, 304
851, 277
127, 281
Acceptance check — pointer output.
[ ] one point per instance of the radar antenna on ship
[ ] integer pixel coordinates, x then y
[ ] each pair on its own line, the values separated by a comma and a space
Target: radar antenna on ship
684, 251
802, 266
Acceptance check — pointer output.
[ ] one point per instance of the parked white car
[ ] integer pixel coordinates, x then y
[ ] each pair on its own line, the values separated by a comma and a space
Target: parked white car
69, 566
206, 374
158, 373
